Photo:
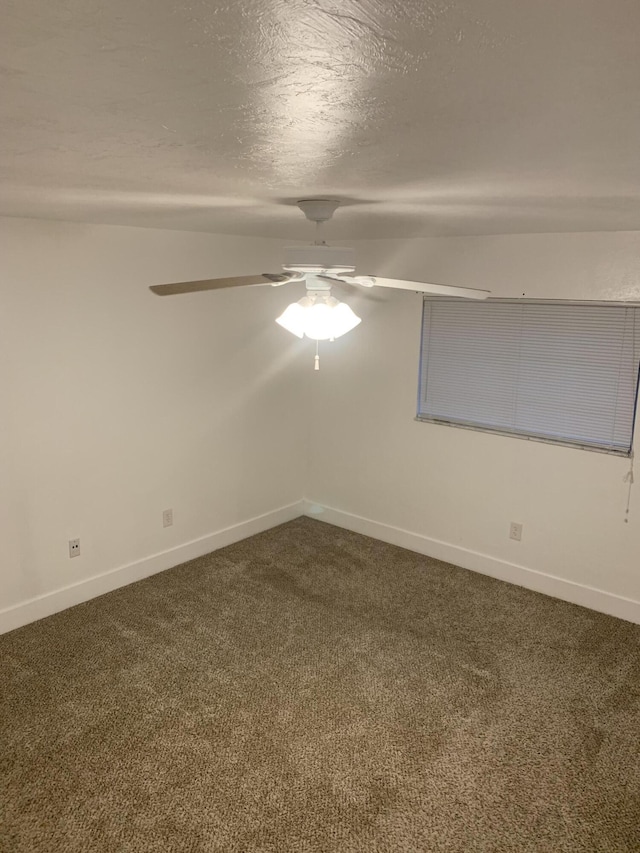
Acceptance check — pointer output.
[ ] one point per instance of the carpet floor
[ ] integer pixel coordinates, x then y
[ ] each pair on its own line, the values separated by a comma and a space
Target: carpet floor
310, 689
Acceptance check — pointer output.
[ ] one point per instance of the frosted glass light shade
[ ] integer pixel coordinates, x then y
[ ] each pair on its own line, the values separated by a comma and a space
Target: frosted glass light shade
319, 320
293, 319
344, 319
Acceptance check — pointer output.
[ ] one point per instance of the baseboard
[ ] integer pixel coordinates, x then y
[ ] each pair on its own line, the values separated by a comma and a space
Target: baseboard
60, 599
586, 596
53, 602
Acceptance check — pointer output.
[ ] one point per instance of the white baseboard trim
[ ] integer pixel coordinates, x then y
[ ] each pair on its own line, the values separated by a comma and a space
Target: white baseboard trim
587, 596
60, 599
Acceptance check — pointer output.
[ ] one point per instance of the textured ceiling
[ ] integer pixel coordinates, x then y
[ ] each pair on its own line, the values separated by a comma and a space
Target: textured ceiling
427, 116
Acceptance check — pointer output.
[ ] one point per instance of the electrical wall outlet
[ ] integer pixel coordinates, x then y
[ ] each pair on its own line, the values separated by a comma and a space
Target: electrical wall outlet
515, 531
167, 518
74, 547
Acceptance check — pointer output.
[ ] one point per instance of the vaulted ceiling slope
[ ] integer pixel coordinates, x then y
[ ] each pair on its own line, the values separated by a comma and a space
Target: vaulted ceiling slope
429, 116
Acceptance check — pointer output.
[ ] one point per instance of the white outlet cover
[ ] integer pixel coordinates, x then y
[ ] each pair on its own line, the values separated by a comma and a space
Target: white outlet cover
167, 518
515, 531
74, 547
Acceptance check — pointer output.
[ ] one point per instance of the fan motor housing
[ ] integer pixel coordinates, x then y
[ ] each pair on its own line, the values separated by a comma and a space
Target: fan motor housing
335, 259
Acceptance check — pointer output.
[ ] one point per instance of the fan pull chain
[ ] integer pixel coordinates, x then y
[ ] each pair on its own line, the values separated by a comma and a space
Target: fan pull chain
316, 365
628, 478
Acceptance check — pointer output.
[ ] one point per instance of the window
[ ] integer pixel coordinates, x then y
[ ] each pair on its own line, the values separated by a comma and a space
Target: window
562, 372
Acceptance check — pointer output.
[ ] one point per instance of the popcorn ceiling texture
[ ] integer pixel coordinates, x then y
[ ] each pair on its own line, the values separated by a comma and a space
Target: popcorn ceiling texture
311, 689
434, 117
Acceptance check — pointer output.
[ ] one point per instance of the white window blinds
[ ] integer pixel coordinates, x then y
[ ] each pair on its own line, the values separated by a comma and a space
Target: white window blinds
564, 372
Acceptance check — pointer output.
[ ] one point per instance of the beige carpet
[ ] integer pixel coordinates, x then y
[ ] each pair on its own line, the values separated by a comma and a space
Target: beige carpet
310, 689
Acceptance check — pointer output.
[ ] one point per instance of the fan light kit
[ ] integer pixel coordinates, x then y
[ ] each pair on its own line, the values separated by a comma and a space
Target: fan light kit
318, 315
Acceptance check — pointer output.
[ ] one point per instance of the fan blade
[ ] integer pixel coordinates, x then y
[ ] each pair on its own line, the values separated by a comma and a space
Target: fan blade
425, 287
219, 283
417, 286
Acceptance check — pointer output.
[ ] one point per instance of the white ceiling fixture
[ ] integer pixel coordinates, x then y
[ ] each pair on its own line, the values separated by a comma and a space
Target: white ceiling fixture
318, 315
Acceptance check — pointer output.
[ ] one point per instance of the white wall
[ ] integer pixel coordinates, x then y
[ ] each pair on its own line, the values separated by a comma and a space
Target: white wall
457, 490
117, 404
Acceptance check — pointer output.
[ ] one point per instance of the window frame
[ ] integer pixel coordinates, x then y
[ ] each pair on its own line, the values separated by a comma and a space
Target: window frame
541, 439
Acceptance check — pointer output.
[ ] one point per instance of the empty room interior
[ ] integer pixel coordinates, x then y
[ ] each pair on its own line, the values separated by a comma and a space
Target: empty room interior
319, 350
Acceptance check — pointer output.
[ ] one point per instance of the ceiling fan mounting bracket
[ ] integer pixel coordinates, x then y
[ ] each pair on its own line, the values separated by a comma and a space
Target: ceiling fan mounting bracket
318, 209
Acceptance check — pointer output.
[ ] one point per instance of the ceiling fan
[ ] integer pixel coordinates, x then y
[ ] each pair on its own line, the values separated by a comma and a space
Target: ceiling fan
318, 315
